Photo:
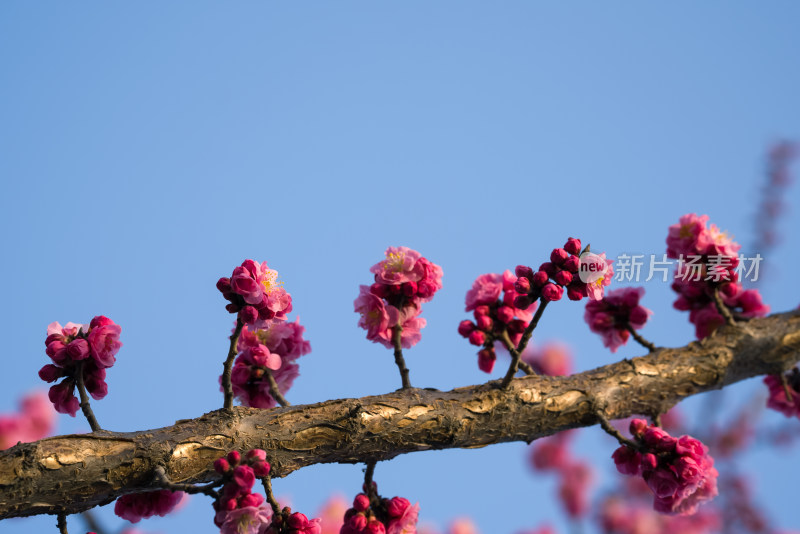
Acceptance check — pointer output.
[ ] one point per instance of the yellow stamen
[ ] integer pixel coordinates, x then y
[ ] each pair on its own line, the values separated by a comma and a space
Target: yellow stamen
271, 282
394, 262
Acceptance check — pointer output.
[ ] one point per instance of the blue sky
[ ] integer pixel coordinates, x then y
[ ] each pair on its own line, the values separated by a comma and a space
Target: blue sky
146, 149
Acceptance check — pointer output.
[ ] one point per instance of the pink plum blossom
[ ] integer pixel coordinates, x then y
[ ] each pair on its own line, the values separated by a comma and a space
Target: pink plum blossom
611, 315
485, 290
137, 506
247, 520
90, 348
255, 294
777, 393
405, 523
679, 472
34, 421
401, 265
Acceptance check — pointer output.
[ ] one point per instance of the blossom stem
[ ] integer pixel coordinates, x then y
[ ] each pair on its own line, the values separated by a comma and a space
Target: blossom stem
226, 367
515, 360
526, 368
639, 339
613, 432
62, 524
208, 489
267, 482
274, 391
397, 331
369, 487
656, 419
86, 408
722, 308
526, 335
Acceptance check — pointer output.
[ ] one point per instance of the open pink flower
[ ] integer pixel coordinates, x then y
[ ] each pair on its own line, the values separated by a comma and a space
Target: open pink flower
374, 316
247, 520
611, 315
255, 294
137, 506
406, 523
401, 265
600, 276
485, 290
104, 340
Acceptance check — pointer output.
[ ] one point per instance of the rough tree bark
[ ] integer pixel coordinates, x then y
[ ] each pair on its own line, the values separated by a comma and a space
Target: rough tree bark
76, 472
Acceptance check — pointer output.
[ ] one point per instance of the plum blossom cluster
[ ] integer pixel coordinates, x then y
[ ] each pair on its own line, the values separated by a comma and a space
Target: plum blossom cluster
493, 301
380, 516
254, 293
34, 421
575, 475
778, 387
275, 348
89, 348
137, 506
710, 258
241, 511
238, 509
581, 275
403, 281
614, 315
679, 471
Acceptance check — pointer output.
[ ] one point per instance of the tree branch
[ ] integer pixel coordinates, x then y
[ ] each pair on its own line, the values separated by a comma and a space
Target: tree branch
76, 472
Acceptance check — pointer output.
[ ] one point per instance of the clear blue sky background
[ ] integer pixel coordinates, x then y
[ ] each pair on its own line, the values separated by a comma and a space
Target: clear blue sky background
147, 149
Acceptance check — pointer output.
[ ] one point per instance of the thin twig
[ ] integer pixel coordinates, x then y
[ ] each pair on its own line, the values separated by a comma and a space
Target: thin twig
639, 339
515, 360
61, 523
274, 391
526, 335
526, 368
613, 432
226, 367
397, 332
267, 482
86, 408
722, 308
207, 489
656, 419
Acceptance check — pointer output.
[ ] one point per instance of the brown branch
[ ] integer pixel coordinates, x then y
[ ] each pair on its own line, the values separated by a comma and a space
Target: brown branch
76, 472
